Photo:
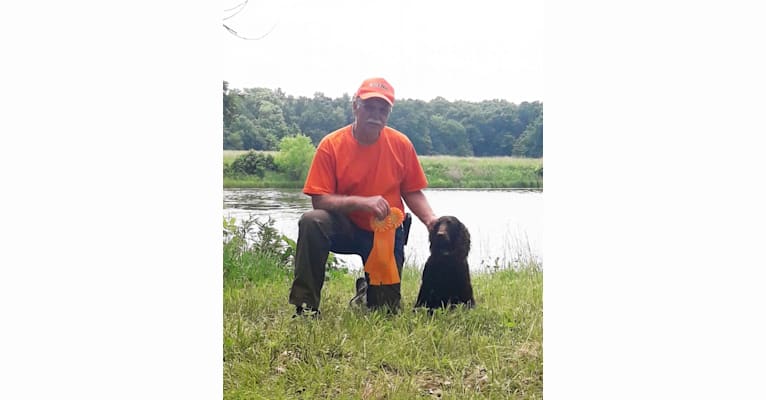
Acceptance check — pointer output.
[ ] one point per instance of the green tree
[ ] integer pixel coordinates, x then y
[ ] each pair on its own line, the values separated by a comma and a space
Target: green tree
263, 107
251, 135
449, 137
495, 124
530, 143
232, 103
232, 140
258, 118
295, 155
321, 115
528, 112
411, 118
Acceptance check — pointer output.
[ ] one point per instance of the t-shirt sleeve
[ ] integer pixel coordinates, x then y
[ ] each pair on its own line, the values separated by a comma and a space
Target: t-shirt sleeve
321, 176
414, 178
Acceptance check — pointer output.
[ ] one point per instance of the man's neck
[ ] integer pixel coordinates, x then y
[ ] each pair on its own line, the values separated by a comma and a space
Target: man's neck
365, 137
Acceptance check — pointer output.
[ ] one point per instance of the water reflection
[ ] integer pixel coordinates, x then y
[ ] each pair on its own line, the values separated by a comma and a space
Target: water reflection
265, 199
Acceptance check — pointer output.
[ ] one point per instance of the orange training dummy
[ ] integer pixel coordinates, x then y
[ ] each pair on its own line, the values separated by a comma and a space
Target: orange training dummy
381, 265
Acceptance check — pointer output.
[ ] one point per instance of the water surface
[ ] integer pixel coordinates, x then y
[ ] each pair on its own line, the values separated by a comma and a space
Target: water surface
505, 225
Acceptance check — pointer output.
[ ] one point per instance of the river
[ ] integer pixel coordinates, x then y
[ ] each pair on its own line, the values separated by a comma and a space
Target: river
505, 224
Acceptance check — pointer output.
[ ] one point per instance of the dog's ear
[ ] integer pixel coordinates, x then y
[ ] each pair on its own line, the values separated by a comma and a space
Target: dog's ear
432, 231
465, 236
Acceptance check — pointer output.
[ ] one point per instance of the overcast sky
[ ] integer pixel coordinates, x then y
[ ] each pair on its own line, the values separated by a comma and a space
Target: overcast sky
461, 50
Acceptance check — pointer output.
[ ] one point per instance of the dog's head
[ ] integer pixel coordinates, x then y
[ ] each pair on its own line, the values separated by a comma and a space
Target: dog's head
449, 237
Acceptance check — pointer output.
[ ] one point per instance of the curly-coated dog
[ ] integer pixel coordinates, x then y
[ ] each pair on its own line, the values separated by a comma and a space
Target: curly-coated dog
446, 279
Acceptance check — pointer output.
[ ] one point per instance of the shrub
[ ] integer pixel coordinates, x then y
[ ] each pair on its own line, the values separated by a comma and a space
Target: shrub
295, 155
254, 236
255, 250
251, 163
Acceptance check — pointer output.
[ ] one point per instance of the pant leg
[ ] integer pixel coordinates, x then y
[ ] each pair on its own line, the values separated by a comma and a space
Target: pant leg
317, 231
320, 232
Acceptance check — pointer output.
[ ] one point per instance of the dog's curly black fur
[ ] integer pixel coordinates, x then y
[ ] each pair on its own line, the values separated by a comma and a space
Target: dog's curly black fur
446, 278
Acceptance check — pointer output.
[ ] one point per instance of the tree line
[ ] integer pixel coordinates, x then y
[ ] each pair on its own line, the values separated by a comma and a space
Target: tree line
258, 118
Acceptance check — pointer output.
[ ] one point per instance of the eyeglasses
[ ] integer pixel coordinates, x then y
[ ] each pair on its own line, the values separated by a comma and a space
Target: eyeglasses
375, 108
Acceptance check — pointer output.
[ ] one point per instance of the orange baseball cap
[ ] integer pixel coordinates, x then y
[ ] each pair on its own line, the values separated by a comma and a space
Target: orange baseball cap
376, 87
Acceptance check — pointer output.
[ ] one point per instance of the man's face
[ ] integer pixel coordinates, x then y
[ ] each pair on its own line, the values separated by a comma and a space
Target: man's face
372, 114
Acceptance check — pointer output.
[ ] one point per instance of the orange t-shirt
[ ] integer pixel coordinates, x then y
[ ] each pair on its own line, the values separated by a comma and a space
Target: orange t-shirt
388, 167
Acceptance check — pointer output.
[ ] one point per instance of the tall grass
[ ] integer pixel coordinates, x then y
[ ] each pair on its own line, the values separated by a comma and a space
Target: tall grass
491, 352
482, 172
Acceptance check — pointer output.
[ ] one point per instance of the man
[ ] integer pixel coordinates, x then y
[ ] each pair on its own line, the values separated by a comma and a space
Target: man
359, 171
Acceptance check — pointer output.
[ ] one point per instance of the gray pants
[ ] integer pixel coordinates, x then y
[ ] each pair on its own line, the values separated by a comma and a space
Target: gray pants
320, 232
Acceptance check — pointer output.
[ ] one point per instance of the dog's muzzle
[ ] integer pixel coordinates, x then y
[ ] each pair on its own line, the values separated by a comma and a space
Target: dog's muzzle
442, 244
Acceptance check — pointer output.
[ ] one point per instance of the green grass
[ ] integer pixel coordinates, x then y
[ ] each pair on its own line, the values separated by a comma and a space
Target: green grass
491, 352
441, 171
482, 172
270, 179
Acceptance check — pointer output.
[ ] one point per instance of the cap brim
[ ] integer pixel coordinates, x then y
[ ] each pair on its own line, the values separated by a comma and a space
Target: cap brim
369, 95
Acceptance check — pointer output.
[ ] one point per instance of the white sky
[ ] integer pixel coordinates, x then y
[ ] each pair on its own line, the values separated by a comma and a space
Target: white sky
460, 50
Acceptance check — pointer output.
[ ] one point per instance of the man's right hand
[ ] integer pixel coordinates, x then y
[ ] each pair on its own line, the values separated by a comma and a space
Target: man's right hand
377, 205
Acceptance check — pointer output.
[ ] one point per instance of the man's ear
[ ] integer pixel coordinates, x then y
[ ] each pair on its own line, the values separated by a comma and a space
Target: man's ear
355, 106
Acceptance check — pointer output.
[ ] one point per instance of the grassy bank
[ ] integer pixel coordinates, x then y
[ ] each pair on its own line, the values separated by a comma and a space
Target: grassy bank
491, 352
441, 171
482, 172
270, 180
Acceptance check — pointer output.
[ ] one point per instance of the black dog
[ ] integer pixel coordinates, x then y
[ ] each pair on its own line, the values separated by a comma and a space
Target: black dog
446, 279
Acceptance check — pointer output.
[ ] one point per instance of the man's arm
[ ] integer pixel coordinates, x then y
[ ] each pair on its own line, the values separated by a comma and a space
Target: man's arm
418, 203
341, 203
